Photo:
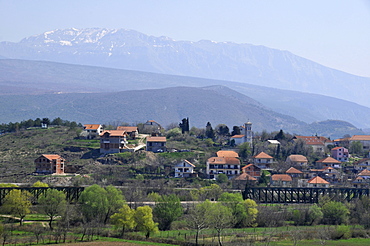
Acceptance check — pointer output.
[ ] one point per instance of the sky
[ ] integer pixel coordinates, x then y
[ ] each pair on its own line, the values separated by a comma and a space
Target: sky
334, 33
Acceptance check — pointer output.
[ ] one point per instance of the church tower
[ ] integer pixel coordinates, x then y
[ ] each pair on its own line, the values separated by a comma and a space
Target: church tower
248, 135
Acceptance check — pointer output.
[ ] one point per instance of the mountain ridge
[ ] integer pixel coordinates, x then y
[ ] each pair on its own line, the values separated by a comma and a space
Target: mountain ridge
128, 49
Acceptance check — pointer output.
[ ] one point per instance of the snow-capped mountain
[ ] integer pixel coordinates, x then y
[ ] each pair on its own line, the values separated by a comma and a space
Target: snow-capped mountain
128, 49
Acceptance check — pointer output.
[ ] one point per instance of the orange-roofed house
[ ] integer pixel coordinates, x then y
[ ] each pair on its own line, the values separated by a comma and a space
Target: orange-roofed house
340, 154
49, 164
92, 131
317, 182
242, 180
113, 141
363, 139
263, 160
317, 143
230, 166
297, 160
156, 144
365, 174
294, 172
132, 131
281, 180
252, 170
360, 182
227, 153
328, 162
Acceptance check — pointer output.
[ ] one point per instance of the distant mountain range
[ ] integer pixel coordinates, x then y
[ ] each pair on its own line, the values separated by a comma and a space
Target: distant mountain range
127, 49
33, 89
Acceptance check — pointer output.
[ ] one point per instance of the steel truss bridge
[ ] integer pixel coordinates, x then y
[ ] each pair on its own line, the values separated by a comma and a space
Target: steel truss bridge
72, 193
301, 195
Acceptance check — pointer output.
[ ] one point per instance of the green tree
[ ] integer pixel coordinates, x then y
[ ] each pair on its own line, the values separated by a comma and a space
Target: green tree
17, 203
209, 131
124, 219
245, 150
94, 204
52, 203
235, 131
115, 201
197, 220
222, 178
315, 214
219, 218
211, 192
167, 209
335, 213
144, 220
356, 148
40, 184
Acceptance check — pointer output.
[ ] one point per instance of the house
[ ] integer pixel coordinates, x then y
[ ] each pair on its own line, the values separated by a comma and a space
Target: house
362, 164
49, 164
294, 172
92, 131
296, 160
317, 143
360, 183
113, 141
156, 144
229, 166
242, 180
331, 174
245, 136
227, 153
151, 126
340, 154
363, 139
317, 182
132, 131
184, 169
263, 160
365, 174
328, 162
281, 180
252, 170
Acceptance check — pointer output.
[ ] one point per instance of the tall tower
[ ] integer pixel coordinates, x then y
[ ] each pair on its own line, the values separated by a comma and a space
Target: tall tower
248, 135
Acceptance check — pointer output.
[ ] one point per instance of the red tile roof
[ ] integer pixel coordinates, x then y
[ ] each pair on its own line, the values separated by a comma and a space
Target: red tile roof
245, 176
127, 128
298, 158
364, 172
156, 139
317, 180
360, 138
293, 170
52, 157
328, 160
262, 155
224, 160
281, 177
314, 140
114, 133
238, 136
227, 153
92, 126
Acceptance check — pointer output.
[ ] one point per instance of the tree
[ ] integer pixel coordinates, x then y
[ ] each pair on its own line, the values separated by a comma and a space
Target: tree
40, 184
222, 178
235, 131
94, 203
144, 220
245, 150
184, 125
209, 131
314, 214
211, 192
356, 148
167, 209
53, 203
124, 219
219, 217
17, 203
115, 201
197, 220
335, 213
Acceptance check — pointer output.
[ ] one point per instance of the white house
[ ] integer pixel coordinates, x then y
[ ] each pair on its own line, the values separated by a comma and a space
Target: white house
184, 169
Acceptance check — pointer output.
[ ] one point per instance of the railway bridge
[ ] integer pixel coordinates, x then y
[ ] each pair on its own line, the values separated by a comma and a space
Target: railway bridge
301, 195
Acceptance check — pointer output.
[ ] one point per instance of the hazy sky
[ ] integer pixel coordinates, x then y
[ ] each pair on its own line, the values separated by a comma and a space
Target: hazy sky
335, 33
